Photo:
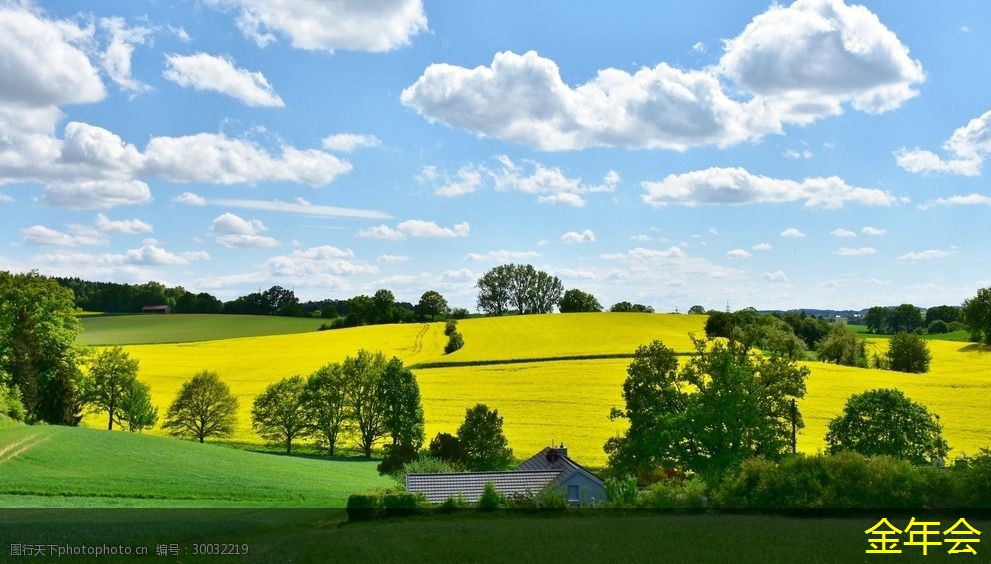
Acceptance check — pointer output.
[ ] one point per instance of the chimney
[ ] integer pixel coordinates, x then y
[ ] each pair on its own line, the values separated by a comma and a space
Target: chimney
561, 451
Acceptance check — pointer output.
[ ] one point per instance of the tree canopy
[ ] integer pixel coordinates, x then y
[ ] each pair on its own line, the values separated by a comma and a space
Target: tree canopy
432, 303
576, 301
112, 375
326, 403
885, 421
38, 351
722, 406
279, 415
977, 315
908, 352
485, 446
204, 407
520, 287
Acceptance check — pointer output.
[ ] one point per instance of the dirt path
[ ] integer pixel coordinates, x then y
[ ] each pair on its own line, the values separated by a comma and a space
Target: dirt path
17, 448
418, 341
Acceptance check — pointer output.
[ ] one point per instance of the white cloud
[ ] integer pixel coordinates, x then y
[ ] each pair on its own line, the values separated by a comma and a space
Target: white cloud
382, 232
123, 226
855, 252
190, 199
469, 180
738, 254
777, 276
392, 259
180, 33
713, 231
318, 25
762, 247
792, 233
969, 146
929, 254
152, 254
40, 235
873, 231
419, 228
501, 256
202, 71
235, 232
575, 237
325, 260
698, 47
791, 65
563, 198
116, 60
301, 207
807, 59
641, 253
96, 194
641, 237
960, 200
347, 142
44, 61
550, 184
737, 186
843, 233
793, 154
218, 159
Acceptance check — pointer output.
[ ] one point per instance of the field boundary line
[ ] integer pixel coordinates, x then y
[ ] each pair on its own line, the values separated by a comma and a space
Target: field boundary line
457, 364
12, 451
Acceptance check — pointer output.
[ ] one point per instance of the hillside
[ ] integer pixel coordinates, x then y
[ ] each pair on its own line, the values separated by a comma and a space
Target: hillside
72, 467
184, 328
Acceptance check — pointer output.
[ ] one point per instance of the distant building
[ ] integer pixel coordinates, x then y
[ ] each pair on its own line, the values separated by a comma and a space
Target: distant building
156, 309
550, 467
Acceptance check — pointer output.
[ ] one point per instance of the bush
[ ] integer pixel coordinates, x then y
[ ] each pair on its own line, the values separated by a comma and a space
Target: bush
973, 481
401, 503
10, 403
450, 327
459, 313
362, 507
455, 342
907, 352
448, 448
424, 465
491, 499
396, 458
938, 327
454, 503
955, 326
845, 480
674, 494
622, 492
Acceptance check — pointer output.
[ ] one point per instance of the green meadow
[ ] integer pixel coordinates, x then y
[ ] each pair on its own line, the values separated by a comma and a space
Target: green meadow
187, 327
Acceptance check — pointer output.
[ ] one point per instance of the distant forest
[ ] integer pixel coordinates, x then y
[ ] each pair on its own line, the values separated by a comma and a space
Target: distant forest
112, 297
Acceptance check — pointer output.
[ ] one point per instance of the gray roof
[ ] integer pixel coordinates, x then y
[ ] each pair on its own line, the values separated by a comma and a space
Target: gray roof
556, 459
439, 487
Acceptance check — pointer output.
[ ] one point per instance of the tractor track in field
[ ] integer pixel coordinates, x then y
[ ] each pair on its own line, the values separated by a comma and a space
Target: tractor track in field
18, 448
418, 340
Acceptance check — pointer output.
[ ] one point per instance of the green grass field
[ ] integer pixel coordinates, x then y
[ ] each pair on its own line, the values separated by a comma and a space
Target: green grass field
184, 328
951, 336
573, 536
69, 467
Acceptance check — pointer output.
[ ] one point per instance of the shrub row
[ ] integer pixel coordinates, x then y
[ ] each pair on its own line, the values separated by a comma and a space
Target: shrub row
454, 341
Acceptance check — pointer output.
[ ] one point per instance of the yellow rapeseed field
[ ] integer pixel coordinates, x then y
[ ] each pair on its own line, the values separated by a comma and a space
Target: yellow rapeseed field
559, 401
572, 334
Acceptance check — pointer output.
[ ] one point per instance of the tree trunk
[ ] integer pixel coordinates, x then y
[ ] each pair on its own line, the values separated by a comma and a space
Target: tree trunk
368, 450
110, 421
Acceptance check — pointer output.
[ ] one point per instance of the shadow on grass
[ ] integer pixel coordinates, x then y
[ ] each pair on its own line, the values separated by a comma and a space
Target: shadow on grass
302, 451
975, 348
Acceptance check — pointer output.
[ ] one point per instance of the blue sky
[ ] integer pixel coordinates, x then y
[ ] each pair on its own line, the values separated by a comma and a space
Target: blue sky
815, 154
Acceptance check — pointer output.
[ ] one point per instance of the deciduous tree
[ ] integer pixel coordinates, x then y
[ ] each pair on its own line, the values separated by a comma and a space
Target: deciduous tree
136, 410
908, 352
432, 303
977, 315
112, 374
204, 407
484, 443
326, 403
399, 396
363, 374
885, 421
576, 301
278, 413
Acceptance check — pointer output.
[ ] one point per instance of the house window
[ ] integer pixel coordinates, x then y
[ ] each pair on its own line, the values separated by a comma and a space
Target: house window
573, 494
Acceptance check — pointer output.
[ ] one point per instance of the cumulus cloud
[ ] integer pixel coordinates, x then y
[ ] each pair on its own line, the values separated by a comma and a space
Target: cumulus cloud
190, 199
392, 259
738, 254
122, 226
501, 255
969, 146
347, 142
116, 60
382, 232
469, 179
40, 235
762, 247
960, 200
737, 186
793, 154
318, 25
96, 194
202, 71
641, 253
843, 233
235, 232
550, 184
855, 251
793, 65
873, 231
575, 237
420, 228
149, 254
928, 254
792, 233
44, 62
777, 276
325, 260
